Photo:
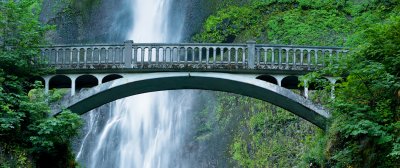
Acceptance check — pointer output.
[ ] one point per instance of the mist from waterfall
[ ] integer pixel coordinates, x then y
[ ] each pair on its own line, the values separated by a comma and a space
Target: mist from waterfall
146, 130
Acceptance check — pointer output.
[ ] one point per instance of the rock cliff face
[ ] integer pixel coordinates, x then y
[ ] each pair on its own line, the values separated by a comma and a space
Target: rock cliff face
97, 23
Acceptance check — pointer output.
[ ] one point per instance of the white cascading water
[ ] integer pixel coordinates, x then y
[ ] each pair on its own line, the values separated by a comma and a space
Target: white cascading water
147, 130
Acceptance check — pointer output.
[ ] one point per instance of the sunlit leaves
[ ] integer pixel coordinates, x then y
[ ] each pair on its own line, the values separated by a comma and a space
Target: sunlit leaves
56, 130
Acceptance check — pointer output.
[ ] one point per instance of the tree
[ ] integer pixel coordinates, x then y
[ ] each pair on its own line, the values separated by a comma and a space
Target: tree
25, 125
365, 129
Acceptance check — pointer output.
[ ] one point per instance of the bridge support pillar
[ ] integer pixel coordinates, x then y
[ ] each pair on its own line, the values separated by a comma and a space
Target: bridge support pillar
128, 53
251, 49
279, 79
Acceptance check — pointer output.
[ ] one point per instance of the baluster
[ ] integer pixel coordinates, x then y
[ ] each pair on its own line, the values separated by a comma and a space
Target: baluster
221, 53
171, 55
111, 55
272, 57
63, 60
56, 62
92, 58
258, 56
244, 57
78, 55
294, 58
301, 57
265, 56
150, 55
200, 55
48, 57
280, 58
106, 56
45, 58
193, 54
316, 58
84, 57
207, 55
48, 51
186, 54
214, 55
157, 55
229, 55
135, 57
70, 57
236, 57
287, 58
117, 57
178, 55
99, 56
142, 51
308, 59
114, 56
164, 54
120, 60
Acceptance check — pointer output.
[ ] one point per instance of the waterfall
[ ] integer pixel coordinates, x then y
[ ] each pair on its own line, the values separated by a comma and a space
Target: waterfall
146, 130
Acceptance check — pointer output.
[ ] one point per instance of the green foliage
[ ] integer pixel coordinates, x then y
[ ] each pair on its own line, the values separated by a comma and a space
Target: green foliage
381, 44
14, 156
313, 27
56, 130
26, 130
227, 24
364, 131
266, 136
366, 109
278, 22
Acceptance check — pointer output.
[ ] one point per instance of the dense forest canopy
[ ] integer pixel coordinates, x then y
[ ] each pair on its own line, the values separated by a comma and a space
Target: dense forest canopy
363, 132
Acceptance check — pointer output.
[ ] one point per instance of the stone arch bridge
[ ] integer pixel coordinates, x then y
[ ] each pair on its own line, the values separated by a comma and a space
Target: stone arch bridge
114, 71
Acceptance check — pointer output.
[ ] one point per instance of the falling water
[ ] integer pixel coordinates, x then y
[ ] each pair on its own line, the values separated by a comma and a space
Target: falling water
145, 130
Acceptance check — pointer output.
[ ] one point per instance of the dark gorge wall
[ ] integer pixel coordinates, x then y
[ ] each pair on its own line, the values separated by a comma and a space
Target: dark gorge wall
86, 22
105, 21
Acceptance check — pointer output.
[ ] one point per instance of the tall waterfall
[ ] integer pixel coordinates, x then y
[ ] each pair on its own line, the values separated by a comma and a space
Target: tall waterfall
144, 130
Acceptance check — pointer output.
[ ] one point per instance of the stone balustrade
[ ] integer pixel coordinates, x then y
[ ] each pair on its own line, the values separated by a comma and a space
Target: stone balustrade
131, 55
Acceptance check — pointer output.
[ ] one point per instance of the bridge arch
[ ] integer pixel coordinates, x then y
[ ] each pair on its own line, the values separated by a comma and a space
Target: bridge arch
60, 81
268, 78
111, 77
291, 82
246, 85
86, 81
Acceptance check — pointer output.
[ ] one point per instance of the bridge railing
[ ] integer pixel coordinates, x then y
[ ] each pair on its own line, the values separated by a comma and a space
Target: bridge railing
187, 55
296, 57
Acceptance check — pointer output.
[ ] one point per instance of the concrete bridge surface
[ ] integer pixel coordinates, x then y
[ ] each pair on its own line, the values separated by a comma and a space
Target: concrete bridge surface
114, 71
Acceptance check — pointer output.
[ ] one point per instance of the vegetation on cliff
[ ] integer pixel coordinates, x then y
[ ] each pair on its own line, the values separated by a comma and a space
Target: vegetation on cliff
28, 136
364, 130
